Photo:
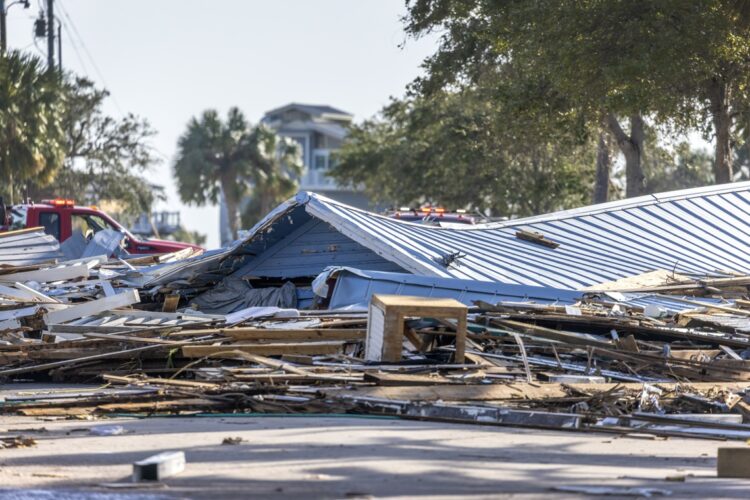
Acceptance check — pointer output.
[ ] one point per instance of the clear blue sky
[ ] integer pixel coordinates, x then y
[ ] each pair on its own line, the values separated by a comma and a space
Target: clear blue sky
167, 60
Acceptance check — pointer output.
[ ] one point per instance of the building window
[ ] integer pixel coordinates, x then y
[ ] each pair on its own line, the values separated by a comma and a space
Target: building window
320, 162
51, 223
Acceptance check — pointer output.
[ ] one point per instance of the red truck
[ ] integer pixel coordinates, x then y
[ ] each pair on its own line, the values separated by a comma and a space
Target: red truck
61, 217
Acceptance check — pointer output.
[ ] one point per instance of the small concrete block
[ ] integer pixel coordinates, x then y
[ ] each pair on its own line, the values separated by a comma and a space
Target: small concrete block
159, 466
733, 462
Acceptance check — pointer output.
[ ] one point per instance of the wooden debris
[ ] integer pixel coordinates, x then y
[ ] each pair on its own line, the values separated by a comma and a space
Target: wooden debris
600, 364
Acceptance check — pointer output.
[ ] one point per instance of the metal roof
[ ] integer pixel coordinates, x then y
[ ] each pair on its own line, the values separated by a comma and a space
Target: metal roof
694, 232
312, 109
697, 231
354, 287
25, 247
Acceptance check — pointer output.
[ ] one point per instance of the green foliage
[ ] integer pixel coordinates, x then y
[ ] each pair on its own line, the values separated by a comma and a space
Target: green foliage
680, 167
681, 63
186, 236
232, 158
618, 56
671, 165
106, 158
279, 165
458, 150
31, 134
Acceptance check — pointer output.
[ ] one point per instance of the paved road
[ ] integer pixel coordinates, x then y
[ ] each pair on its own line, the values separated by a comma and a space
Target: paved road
344, 457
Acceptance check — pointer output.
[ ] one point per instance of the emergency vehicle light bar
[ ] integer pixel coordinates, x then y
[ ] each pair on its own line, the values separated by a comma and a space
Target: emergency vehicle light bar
60, 202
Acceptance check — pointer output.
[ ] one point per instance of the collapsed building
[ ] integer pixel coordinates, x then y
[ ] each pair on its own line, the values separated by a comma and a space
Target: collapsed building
624, 315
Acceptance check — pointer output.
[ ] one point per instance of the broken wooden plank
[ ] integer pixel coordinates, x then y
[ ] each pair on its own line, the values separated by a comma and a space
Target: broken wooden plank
277, 349
294, 334
170, 302
123, 299
507, 391
537, 238
159, 381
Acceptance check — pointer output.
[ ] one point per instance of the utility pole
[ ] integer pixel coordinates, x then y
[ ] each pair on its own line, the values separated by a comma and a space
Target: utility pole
3, 30
3, 22
50, 35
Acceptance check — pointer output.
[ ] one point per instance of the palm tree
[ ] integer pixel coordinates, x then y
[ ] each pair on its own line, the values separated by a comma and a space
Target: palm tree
275, 179
232, 158
32, 144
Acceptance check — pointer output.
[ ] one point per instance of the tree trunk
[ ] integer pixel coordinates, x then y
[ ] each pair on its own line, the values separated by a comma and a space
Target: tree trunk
632, 148
229, 188
4, 167
603, 162
722, 121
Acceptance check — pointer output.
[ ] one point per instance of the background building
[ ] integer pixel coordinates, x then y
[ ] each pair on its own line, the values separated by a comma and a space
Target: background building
319, 130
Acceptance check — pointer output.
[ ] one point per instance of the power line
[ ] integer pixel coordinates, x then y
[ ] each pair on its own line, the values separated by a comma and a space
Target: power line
73, 44
89, 56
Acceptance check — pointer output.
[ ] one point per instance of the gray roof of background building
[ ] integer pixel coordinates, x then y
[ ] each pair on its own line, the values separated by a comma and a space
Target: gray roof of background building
313, 109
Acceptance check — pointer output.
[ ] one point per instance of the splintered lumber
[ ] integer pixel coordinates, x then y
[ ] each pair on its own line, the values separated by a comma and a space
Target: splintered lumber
38, 296
269, 362
153, 406
513, 391
18, 232
659, 278
550, 334
124, 299
55, 364
200, 351
402, 379
170, 302
131, 339
159, 381
284, 334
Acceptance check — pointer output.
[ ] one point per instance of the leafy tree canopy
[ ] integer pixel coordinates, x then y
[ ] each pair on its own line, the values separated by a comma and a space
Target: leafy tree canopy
31, 130
232, 158
685, 63
456, 149
106, 158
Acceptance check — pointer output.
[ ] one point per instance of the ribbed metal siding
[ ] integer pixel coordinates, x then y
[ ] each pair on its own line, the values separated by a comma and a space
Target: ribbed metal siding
696, 232
308, 250
28, 248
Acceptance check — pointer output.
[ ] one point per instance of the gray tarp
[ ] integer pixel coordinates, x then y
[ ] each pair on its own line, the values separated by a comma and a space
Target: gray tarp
233, 294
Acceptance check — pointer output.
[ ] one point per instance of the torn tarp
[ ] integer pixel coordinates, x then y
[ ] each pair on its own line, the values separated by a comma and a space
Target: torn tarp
233, 294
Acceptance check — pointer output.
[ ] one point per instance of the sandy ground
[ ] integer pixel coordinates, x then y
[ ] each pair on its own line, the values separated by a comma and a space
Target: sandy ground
345, 457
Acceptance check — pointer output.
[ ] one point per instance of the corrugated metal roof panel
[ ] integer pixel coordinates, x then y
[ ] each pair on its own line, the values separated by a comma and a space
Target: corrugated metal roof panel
20, 248
699, 231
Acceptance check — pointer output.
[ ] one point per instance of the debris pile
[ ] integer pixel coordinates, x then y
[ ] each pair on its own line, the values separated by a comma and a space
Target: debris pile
658, 352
